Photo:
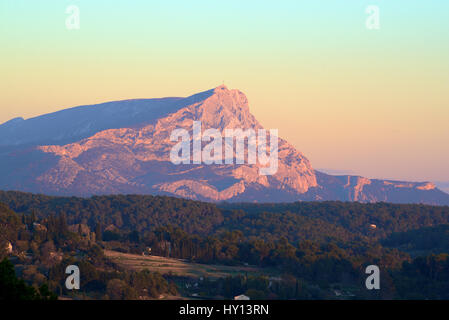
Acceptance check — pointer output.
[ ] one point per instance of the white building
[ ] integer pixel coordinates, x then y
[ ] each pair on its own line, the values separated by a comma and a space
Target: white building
241, 297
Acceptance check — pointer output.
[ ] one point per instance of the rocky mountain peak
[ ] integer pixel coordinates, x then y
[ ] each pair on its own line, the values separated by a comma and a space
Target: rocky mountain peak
224, 109
124, 147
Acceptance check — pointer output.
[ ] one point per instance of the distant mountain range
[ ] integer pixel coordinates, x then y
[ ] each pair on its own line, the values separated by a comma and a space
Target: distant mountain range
124, 147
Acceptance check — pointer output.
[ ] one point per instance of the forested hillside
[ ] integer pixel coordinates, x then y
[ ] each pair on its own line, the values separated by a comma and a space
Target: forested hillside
314, 247
296, 221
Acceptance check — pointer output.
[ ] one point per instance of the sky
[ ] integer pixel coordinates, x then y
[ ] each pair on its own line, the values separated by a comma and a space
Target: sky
373, 102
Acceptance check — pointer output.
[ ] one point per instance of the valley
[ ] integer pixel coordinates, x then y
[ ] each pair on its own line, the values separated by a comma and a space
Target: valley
302, 250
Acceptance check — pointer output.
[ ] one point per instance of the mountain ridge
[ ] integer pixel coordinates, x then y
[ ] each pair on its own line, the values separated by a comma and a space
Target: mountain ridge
51, 127
131, 155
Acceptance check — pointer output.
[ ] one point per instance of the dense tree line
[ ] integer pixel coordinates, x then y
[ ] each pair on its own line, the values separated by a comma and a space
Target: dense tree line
354, 217
318, 221
259, 287
131, 212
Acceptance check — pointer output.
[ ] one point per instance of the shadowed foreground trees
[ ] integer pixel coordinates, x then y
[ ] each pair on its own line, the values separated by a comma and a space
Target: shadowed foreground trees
12, 288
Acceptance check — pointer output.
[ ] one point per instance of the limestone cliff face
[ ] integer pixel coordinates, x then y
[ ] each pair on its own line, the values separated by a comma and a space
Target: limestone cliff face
124, 147
122, 159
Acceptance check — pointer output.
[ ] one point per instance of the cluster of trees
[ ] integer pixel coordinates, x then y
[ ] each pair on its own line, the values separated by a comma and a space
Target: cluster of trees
259, 287
9, 228
102, 279
44, 247
12, 288
423, 240
425, 277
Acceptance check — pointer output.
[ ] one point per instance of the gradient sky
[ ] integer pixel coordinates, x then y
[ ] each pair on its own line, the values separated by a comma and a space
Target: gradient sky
374, 103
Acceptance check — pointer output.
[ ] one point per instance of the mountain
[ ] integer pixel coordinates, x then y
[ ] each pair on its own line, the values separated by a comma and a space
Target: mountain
124, 147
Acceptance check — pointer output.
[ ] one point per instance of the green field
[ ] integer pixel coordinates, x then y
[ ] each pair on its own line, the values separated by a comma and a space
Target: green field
178, 267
